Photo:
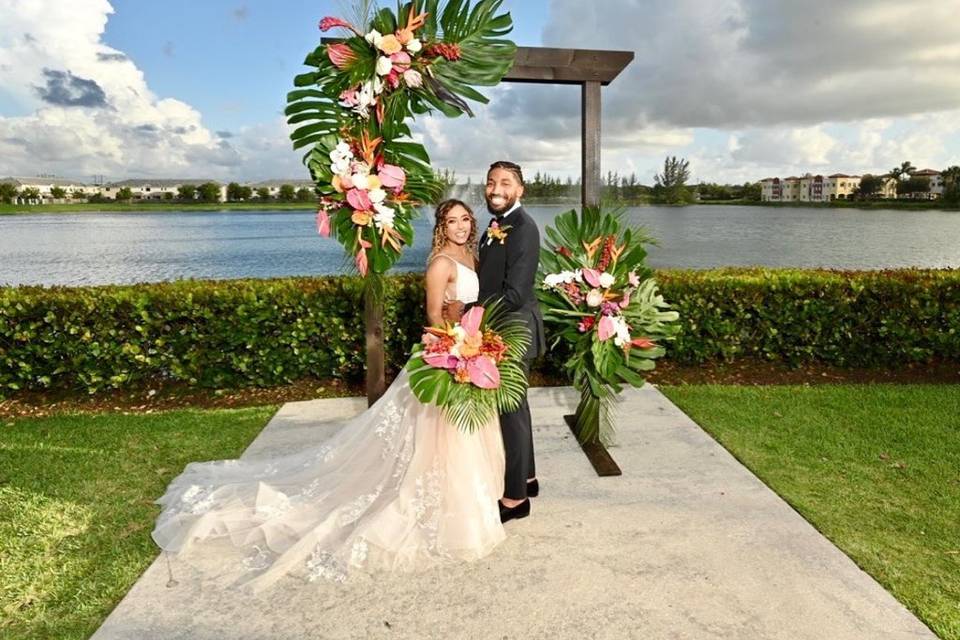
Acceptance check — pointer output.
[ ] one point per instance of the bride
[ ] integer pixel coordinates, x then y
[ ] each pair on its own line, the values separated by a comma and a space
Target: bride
396, 488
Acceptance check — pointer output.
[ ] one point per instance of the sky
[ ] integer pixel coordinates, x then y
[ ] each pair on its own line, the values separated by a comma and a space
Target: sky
744, 89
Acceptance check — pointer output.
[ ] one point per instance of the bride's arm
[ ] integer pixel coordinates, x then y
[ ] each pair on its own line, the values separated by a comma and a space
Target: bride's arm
439, 274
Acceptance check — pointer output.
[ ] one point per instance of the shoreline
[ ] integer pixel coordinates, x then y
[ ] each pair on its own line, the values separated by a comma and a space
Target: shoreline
51, 209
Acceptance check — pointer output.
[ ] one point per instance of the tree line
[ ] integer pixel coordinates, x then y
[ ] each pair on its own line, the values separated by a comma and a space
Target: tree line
205, 192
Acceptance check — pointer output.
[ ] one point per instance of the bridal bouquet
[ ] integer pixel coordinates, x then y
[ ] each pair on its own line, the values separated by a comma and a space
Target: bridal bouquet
600, 298
353, 112
471, 369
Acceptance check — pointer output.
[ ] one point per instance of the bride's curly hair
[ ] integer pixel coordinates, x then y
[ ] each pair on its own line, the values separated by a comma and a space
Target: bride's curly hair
439, 232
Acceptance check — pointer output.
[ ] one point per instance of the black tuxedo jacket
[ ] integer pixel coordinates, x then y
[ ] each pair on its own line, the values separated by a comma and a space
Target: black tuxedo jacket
508, 271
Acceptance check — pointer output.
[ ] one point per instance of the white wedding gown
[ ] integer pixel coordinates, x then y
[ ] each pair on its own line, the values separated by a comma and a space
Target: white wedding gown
396, 488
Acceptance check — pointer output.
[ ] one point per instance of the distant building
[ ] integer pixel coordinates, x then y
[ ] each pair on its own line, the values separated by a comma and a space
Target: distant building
45, 184
936, 183
156, 188
273, 186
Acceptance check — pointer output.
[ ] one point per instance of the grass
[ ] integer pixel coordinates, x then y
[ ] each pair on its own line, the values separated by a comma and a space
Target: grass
875, 468
76, 507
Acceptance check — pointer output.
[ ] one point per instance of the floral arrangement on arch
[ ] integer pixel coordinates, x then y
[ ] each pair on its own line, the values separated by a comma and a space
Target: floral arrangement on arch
600, 298
353, 112
471, 369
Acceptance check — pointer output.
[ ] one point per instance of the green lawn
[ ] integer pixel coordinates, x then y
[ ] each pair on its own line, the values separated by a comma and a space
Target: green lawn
875, 468
76, 507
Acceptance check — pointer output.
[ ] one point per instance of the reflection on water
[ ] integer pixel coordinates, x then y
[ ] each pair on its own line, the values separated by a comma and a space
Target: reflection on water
103, 248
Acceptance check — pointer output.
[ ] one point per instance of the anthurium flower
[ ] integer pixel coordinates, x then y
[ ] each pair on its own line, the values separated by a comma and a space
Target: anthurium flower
341, 55
592, 276
442, 360
626, 300
323, 223
359, 200
606, 329
483, 372
470, 321
392, 177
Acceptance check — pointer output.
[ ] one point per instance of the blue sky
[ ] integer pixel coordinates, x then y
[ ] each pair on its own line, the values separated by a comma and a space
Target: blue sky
742, 88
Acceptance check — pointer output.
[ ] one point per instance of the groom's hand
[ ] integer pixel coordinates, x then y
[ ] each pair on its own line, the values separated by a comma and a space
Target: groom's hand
453, 311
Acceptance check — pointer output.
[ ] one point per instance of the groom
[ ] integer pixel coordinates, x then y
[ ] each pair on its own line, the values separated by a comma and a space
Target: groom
509, 255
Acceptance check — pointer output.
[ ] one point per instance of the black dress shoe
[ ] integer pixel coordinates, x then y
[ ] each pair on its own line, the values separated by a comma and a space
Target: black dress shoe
533, 489
522, 510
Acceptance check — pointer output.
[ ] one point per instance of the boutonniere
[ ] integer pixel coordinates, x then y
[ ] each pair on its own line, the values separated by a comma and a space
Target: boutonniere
496, 232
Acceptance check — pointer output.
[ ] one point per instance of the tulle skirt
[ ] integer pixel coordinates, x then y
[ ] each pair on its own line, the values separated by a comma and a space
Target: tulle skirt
396, 488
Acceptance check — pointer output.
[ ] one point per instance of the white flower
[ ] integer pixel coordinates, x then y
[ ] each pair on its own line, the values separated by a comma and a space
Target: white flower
366, 97
413, 78
622, 331
374, 38
360, 181
377, 85
377, 195
594, 298
384, 215
344, 149
564, 277
414, 45
606, 280
384, 65
340, 167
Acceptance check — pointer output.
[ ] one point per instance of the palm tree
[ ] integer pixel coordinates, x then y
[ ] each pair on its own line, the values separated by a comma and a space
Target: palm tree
951, 175
905, 169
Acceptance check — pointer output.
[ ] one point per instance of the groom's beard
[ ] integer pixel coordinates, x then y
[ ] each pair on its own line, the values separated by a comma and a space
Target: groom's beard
497, 211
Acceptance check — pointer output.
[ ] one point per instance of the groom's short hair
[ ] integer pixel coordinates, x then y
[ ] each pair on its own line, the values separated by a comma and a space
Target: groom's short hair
512, 167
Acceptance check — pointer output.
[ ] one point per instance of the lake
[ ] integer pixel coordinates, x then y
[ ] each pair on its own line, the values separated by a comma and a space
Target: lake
108, 248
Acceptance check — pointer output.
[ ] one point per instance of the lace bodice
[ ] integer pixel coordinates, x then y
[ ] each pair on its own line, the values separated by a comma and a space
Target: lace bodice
467, 286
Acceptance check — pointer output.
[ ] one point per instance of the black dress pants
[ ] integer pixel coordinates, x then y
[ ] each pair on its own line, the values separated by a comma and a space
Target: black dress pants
518, 446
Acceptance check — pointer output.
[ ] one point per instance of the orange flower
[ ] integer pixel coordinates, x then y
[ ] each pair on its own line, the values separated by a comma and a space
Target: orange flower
361, 218
471, 346
368, 148
405, 35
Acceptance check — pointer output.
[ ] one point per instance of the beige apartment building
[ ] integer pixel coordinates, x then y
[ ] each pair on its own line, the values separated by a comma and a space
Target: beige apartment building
809, 188
45, 185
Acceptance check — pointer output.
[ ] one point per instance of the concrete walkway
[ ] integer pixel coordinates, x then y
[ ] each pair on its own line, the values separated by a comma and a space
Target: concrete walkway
686, 544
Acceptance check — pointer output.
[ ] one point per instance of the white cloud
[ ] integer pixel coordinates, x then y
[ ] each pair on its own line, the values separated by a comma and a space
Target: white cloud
89, 108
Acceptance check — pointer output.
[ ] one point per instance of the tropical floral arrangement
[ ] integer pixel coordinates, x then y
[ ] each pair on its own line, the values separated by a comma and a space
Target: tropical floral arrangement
600, 298
352, 111
471, 369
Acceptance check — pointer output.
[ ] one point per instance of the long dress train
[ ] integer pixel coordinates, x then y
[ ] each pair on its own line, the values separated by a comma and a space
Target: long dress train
397, 488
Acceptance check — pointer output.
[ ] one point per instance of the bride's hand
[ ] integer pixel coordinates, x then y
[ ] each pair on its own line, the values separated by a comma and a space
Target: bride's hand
453, 311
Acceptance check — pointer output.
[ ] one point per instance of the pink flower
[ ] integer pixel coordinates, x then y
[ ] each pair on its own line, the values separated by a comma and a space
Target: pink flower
350, 97
586, 324
361, 257
606, 329
340, 55
642, 343
592, 276
595, 298
323, 223
392, 177
331, 23
470, 322
401, 61
633, 279
483, 372
626, 300
441, 360
359, 200
413, 78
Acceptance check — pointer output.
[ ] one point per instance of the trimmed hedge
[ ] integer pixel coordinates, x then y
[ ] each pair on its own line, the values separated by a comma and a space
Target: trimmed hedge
235, 333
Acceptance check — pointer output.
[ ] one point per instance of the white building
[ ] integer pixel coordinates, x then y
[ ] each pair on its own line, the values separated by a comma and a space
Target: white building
45, 185
157, 188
